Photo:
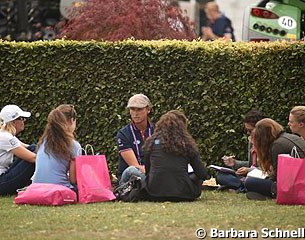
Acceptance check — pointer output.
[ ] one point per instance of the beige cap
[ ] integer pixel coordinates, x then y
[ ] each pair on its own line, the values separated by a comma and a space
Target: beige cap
139, 101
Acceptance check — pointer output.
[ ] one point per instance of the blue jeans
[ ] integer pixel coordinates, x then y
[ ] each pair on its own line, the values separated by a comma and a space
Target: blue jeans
262, 186
18, 175
230, 180
128, 172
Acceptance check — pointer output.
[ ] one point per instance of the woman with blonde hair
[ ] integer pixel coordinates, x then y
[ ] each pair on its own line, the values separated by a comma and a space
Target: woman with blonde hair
168, 152
297, 120
270, 140
17, 159
57, 149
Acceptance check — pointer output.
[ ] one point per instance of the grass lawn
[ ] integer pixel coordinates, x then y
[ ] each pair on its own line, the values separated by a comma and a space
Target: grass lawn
117, 220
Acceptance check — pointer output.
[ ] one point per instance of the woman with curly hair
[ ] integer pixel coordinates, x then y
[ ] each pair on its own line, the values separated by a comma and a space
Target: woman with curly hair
168, 152
270, 140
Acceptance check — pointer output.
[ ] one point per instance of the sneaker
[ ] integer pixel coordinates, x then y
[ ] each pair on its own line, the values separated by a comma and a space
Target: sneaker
241, 190
256, 196
223, 188
273, 190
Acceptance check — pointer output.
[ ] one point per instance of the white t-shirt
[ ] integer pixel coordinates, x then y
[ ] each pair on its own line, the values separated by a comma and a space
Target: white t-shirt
7, 143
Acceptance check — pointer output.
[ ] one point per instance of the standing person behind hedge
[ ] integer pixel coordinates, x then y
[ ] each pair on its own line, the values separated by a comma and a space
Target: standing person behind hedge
57, 149
229, 181
297, 120
131, 138
270, 140
219, 26
168, 152
17, 159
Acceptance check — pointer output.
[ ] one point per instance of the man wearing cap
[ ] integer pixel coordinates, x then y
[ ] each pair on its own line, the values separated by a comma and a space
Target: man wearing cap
15, 172
130, 138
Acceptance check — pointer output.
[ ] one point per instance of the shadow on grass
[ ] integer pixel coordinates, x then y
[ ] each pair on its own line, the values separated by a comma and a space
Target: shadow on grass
145, 220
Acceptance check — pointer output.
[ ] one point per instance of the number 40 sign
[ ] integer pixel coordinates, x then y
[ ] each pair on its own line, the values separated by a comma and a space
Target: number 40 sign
287, 22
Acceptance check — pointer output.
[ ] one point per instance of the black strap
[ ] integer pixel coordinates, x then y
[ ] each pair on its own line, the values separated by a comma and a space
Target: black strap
299, 148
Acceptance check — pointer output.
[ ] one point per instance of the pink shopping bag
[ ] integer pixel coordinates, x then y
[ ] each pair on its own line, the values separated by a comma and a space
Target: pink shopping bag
93, 180
46, 194
290, 180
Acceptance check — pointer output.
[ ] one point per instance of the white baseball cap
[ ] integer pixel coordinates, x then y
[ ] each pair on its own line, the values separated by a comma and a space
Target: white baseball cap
11, 112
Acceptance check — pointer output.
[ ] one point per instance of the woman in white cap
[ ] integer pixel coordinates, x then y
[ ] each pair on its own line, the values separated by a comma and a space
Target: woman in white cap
16, 158
131, 138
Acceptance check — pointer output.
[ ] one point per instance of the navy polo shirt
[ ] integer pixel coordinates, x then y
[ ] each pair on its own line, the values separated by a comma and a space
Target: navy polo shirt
129, 137
221, 26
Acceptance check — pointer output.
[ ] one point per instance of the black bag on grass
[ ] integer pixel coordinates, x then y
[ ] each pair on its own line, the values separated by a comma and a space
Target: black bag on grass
129, 191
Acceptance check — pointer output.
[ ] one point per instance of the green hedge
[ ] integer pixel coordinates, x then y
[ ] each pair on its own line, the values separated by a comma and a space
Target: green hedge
214, 83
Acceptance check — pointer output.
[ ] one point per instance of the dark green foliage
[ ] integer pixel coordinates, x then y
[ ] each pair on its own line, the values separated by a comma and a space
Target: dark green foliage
214, 83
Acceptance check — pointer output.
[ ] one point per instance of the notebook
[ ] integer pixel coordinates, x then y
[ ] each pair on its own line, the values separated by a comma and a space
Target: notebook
222, 169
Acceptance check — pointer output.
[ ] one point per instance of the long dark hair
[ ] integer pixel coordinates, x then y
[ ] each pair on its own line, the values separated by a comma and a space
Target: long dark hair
265, 133
253, 116
172, 132
57, 135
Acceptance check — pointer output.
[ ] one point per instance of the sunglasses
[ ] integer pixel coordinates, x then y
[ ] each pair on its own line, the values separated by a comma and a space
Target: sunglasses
21, 118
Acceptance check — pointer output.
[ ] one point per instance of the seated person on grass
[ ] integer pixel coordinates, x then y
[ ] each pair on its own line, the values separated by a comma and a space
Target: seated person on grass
17, 159
270, 140
57, 149
131, 138
229, 181
167, 154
